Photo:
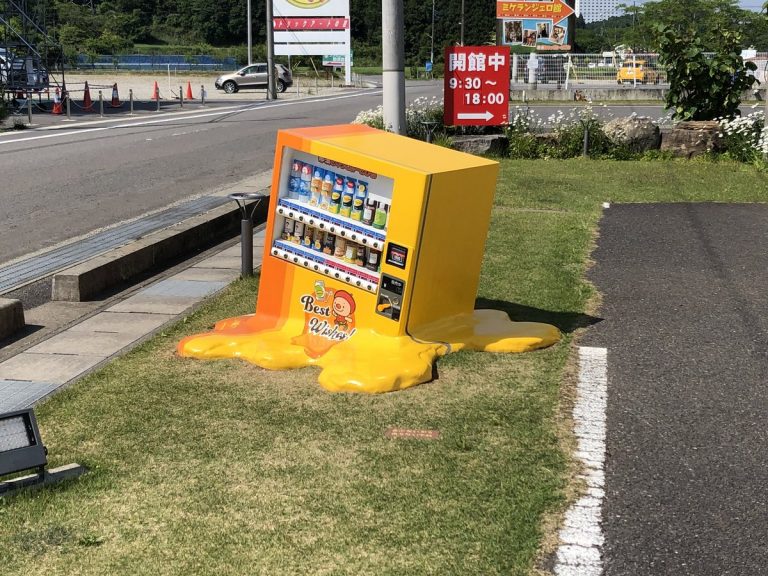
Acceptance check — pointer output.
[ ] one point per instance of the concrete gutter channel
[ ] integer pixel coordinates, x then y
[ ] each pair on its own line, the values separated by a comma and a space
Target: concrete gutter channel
150, 254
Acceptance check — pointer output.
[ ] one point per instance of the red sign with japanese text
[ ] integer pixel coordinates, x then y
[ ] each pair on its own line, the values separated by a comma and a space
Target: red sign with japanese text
311, 23
476, 85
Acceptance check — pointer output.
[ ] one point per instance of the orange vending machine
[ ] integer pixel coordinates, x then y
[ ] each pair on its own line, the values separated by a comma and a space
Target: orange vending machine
372, 258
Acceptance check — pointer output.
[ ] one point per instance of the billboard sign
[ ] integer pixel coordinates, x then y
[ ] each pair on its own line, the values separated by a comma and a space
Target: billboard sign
541, 24
476, 85
313, 28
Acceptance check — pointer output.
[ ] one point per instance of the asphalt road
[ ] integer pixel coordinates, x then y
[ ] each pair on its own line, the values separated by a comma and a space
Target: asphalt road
687, 336
60, 184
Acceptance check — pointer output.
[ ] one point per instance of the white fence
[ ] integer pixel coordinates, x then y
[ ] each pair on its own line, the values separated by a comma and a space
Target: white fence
593, 70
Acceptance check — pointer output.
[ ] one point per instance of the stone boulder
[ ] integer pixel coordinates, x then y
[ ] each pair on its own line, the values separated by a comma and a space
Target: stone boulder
638, 134
486, 145
693, 138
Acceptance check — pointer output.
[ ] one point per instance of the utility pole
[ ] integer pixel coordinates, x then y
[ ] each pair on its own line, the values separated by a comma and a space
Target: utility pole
462, 22
432, 37
271, 87
393, 56
250, 35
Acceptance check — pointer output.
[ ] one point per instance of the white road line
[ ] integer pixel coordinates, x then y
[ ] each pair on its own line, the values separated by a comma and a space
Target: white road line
128, 123
581, 537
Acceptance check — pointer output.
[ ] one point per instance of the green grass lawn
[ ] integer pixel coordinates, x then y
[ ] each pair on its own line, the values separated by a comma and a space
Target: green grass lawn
223, 468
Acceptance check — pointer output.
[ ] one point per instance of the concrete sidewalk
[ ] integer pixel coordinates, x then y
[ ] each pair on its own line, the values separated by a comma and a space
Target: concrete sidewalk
68, 355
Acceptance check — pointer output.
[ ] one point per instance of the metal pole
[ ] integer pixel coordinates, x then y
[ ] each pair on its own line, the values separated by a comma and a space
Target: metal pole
432, 38
250, 35
29, 106
585, 150
271, 87
246, 242
130, 100
202, 95
69, 109
158, 102
392, 47
181, 98
462, 22
101, 104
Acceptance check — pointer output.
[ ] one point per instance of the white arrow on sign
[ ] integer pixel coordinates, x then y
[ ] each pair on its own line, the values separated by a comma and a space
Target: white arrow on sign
474, 116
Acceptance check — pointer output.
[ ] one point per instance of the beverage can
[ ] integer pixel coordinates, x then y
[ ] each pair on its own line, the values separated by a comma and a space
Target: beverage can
374, 260
347, 198
294, 180
317, 240
369, 211
288, 227
314, 187
359, 201
326, 190
351, 253
329, 244
380, 218
340, 247
305, 183
338, 189
298, 233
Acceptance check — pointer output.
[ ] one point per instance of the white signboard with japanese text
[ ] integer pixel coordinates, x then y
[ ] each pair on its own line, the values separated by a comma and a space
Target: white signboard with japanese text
313, 28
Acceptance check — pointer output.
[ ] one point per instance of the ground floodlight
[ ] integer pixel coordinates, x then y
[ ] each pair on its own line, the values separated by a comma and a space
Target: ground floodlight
21, 447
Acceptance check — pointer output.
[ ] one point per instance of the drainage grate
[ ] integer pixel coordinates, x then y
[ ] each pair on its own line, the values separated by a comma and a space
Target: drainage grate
27, 270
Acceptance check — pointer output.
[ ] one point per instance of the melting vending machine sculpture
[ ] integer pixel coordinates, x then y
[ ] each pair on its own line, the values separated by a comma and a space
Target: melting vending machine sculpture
372, 258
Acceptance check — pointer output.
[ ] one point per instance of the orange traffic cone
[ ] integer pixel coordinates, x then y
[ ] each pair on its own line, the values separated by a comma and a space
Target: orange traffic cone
115, 97
87, 102
188, 95
156, 92
56, 102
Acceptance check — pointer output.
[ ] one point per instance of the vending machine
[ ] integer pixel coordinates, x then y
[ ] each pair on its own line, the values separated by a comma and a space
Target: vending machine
374, 244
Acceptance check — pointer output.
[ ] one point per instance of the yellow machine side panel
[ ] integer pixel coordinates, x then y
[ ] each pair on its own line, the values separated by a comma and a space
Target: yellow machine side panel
452, 244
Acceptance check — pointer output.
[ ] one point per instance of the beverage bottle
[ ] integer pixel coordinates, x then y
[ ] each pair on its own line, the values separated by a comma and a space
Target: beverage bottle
308, 232
357, 205
369, 211
294, 180
326, 190
374, 260
380, 218
347, 198
305, 183
314, 187
360, 258
338, 188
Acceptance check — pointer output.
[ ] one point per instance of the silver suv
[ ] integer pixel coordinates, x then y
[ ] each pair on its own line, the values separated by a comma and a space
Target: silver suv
254, 76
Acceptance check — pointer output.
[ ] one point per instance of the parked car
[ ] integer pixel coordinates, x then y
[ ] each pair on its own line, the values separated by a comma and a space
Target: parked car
254, 76
632, 71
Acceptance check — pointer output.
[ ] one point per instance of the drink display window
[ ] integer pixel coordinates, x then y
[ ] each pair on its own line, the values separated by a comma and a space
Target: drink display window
332, 218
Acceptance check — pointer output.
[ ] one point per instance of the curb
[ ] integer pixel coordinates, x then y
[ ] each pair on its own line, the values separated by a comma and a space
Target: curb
87, 279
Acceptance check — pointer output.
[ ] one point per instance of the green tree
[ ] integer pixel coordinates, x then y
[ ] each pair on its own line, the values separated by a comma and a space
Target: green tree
703, 87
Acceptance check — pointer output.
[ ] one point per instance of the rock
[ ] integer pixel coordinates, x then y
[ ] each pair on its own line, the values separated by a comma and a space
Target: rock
693, 138
638, 134
489, 145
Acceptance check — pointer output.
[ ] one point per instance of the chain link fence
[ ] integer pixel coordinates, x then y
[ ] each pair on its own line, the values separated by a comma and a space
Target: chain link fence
606, 70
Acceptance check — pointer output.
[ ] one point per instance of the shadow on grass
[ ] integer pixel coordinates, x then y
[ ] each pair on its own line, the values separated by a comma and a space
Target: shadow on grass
565, 321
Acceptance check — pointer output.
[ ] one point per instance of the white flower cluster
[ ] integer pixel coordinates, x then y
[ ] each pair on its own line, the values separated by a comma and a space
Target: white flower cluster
420, 110
750, 131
